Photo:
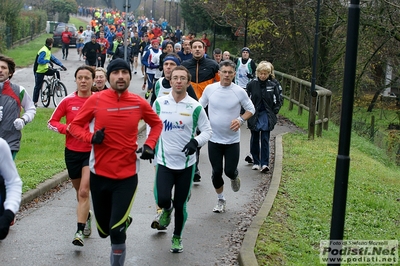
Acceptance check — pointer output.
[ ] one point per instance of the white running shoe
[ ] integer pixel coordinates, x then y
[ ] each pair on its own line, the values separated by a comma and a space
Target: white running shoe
220, 207
264, 169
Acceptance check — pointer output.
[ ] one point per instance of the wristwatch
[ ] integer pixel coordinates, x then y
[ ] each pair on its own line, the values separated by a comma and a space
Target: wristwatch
241, 120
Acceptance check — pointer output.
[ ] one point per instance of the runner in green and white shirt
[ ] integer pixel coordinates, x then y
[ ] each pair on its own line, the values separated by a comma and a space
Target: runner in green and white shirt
176, 160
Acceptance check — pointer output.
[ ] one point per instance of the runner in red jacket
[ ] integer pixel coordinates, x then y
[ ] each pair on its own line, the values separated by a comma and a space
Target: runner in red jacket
114, 115
66, 36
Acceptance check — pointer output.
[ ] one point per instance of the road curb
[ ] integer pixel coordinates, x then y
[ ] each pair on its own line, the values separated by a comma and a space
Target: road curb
56, 179
246, 254
44, 187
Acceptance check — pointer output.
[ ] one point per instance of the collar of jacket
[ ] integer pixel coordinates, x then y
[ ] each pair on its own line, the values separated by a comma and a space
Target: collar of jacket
199, 60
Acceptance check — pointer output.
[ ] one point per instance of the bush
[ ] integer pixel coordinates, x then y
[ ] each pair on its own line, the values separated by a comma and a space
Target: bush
27, 23
3, 36
63, 17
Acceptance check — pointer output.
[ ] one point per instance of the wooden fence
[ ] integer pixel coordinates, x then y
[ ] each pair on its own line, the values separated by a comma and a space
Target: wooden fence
317, 103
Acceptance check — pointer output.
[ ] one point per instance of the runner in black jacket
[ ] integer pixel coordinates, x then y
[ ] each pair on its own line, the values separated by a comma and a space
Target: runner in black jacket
91, 52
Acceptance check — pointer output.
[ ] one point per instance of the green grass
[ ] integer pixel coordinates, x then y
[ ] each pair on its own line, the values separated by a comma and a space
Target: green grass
301, 214
42, 151
78, 22
24, 55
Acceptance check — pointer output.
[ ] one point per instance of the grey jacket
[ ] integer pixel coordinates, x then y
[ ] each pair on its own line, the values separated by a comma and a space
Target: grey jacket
14, 97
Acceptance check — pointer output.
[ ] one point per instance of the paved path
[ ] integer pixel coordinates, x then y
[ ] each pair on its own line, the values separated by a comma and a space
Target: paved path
43, 236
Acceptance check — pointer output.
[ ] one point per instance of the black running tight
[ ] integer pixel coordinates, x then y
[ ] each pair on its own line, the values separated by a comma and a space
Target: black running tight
112, 203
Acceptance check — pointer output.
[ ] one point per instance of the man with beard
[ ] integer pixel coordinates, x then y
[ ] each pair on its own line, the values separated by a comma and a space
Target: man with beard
116, 113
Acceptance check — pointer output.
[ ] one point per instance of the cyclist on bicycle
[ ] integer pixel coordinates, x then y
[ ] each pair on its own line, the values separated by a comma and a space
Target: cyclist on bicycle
41, 67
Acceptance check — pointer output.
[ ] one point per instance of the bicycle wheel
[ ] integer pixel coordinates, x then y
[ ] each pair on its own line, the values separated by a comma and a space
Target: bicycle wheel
45, 93
59, 93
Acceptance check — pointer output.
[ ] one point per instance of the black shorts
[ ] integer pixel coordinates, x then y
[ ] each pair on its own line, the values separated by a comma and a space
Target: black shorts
75, 161
90, 63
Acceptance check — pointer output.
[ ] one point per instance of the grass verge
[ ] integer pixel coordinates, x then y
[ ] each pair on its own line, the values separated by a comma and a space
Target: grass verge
78, 22
42, 151
301, 214
24, 55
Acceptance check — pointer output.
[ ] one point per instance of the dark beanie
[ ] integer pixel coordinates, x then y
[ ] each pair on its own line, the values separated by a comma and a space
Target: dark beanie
118, 64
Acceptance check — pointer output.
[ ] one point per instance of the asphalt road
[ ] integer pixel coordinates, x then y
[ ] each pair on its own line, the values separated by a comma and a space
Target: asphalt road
43, 236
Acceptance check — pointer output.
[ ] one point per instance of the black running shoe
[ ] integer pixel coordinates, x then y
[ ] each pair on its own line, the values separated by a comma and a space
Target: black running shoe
197, 177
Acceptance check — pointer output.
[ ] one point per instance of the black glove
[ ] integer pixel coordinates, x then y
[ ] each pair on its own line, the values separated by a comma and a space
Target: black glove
64, 68
276, 110
5, 221
98, 136
191, 147
147, 153
249, 76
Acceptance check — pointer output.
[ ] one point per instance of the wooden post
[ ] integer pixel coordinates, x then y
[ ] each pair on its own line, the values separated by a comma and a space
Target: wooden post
301, 99
327, 115
291, 96
311, 120
372, 131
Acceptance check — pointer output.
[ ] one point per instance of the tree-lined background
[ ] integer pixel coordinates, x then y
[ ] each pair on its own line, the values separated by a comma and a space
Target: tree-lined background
21, 19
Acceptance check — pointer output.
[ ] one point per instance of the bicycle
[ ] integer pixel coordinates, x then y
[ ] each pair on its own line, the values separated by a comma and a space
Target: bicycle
52, 87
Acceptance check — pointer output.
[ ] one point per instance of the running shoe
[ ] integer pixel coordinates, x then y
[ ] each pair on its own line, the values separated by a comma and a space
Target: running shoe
165, 217
147, 95
235, 184
248, 159
220, 207
78, 239
176, 246
197, 177
155, 224
264, 169
255, 167
87, 231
